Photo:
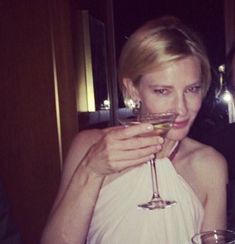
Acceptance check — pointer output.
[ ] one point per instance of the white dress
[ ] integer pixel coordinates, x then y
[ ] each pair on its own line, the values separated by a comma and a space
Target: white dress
118, 220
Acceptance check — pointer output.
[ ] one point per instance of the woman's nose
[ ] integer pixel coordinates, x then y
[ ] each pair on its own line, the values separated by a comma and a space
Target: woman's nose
181, 105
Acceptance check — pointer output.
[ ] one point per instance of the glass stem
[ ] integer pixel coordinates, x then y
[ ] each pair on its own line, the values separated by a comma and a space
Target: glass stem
154, 179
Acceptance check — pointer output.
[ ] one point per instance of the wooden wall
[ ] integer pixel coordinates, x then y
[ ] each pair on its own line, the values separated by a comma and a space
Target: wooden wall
37, 106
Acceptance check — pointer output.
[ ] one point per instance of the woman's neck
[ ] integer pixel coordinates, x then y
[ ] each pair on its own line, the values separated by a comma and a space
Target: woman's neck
169, 147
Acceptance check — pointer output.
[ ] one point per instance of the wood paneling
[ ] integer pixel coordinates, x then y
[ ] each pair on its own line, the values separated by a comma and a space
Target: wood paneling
35, 134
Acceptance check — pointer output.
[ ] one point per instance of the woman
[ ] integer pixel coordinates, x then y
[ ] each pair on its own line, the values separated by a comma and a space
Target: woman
163, 67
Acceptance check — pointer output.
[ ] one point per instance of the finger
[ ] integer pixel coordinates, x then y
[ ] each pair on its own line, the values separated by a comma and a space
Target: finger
113, 128
135, 154
135, 143
122, 165
132, 131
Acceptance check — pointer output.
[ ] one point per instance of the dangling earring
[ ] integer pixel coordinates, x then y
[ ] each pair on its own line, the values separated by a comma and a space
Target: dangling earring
137, 108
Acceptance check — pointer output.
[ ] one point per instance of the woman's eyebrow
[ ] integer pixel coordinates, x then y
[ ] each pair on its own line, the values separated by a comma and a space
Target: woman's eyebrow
160, 85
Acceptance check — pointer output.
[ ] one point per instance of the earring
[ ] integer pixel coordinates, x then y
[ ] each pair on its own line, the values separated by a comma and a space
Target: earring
137, 108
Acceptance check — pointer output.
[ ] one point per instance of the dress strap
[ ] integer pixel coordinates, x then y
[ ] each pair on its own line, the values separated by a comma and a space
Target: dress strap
173, 150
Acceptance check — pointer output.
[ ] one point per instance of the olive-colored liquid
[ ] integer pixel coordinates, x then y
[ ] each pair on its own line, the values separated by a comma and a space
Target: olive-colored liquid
161, 128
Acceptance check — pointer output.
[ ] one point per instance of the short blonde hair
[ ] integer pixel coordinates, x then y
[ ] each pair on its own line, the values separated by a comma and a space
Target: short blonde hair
154, 44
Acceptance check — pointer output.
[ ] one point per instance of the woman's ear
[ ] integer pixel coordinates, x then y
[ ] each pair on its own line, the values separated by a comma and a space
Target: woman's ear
132, 90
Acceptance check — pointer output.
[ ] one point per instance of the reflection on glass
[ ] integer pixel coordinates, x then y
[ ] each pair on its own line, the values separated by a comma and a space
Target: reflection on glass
215, 236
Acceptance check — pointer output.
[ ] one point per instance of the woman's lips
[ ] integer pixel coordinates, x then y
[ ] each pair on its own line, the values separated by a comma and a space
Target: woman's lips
180, 124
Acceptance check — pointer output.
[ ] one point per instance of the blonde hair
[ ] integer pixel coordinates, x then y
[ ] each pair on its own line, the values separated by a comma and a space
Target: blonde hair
156, 43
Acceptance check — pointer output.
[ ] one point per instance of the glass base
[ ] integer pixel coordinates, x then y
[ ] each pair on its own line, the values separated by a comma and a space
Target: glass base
157, 204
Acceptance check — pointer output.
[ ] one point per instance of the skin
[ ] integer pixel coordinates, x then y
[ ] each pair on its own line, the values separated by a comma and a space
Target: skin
97, 157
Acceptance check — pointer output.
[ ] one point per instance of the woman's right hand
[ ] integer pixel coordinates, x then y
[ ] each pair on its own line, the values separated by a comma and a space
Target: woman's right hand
123, 147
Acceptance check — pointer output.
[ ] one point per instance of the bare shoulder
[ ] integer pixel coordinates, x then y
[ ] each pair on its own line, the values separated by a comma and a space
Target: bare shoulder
86, 138
204, 160
81, 144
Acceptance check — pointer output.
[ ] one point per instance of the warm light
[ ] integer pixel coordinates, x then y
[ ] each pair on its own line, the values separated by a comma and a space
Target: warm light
227, 96
85, 94
106, 104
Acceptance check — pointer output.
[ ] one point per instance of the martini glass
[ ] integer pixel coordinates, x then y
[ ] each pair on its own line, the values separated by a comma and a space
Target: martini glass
215, 236
162, 122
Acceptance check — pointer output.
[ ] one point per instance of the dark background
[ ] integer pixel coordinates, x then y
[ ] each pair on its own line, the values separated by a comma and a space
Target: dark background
204, 16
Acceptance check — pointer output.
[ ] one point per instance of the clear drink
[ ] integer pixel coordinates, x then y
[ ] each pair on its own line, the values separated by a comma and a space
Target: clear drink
161, 129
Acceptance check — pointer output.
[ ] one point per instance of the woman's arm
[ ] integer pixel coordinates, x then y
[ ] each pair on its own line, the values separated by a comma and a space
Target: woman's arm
93, 156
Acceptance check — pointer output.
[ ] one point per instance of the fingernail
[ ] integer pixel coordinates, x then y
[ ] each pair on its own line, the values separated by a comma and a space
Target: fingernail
161, 140
149, 127
152, 156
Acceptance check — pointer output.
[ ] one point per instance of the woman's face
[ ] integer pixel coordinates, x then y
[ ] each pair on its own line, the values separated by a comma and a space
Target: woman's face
175, 87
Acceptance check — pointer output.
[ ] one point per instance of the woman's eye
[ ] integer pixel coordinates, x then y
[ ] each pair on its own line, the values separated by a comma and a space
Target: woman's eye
194, 89
161, 91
